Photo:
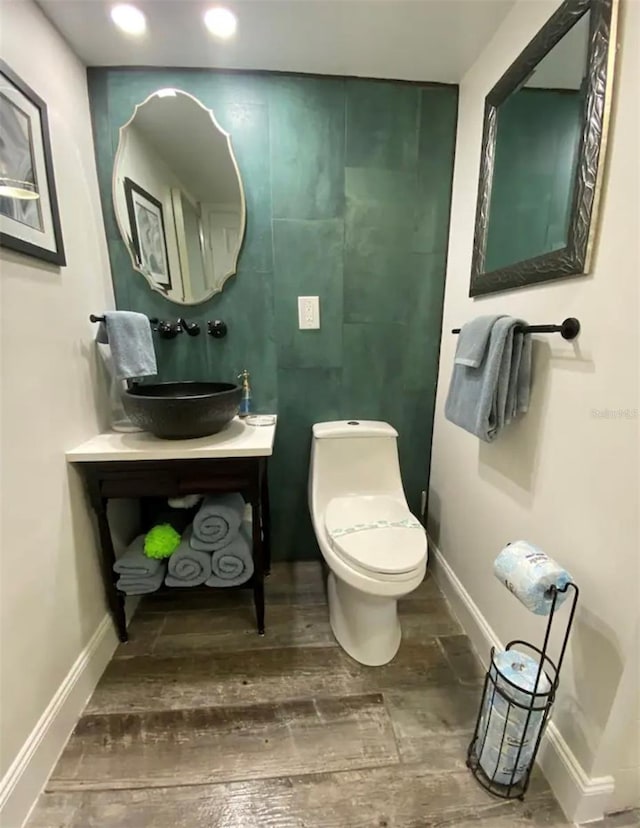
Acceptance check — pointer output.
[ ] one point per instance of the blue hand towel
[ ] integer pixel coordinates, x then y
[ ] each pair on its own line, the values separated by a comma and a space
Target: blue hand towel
491, 376
233, 565
129, 336
474, 339
217, 522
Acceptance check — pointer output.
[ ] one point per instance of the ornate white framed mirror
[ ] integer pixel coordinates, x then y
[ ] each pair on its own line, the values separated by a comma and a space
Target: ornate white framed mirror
178, 197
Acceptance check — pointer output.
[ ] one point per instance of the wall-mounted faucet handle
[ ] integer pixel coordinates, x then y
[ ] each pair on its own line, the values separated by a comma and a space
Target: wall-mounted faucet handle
217, 328
192, 328
168, 330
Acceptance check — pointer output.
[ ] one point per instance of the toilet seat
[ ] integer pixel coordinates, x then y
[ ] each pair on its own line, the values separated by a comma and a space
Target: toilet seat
376, 534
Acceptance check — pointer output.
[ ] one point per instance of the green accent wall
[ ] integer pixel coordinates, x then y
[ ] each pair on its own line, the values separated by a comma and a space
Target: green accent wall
348, 189
537, 141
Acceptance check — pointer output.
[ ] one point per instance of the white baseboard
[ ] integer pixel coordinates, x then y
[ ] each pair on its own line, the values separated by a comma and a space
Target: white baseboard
23, 782
582, 798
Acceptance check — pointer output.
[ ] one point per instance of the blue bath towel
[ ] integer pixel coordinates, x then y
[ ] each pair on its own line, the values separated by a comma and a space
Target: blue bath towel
491, 376
233, 565
188, 566
217, 522
520, 376
129, 337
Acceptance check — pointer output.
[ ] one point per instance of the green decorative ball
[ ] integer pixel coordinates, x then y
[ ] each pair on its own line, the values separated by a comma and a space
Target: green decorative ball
161, 541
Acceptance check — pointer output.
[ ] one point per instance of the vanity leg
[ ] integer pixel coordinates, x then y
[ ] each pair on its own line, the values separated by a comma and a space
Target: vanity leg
115, 598
265, 513
258, 563
258, 597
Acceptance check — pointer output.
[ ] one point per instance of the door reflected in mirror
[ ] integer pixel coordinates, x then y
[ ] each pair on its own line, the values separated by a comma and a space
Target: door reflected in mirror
178, 197
538, 134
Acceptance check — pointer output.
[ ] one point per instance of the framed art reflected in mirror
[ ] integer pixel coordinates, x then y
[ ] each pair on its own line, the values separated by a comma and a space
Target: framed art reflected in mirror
543, 150
148, 236
29, 217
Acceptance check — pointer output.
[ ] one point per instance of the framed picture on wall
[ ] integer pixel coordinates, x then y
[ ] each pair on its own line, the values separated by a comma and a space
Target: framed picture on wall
148, 237
29, 217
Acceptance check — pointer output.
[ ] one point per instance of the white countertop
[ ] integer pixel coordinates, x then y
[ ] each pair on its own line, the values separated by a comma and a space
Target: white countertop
237, 440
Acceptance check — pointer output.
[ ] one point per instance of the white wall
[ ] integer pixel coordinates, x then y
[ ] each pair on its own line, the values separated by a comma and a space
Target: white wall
619, 751
562, 477
51, 591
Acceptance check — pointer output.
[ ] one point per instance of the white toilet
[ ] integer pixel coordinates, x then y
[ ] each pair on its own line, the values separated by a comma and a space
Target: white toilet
375, 548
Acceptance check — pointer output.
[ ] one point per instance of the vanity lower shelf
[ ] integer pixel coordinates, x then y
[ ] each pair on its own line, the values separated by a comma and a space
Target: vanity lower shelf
171, 592
143, 466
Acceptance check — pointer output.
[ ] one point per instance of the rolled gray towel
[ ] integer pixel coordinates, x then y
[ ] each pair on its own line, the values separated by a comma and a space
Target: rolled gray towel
141, 585
217, 522
134, 563
187, 566
233, 565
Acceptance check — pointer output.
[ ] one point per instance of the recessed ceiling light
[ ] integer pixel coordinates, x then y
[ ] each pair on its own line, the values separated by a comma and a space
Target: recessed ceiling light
129, 19
221, 22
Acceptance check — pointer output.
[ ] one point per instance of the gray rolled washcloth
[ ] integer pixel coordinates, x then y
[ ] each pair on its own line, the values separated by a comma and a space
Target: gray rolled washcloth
218, 521
188, 566
138, 573
233, 565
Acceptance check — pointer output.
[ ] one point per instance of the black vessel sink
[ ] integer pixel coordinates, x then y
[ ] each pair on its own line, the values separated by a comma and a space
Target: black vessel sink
180, 410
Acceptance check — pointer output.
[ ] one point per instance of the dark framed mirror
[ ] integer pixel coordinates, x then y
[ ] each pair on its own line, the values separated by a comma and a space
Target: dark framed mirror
543, 148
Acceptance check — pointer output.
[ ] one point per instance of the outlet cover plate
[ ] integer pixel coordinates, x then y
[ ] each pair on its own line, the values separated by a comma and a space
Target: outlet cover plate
308, 313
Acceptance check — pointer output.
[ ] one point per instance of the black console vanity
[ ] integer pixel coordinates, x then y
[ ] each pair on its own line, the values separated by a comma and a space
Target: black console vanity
115, 465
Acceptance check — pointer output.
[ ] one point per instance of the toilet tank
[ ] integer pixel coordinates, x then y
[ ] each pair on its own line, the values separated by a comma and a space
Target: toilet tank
353, 457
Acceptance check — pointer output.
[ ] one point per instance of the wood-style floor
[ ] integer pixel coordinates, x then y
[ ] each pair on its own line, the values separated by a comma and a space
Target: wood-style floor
199, 723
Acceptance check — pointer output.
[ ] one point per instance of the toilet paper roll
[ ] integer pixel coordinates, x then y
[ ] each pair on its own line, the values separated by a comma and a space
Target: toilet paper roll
500, 768
514, 675
528, 573
507, 732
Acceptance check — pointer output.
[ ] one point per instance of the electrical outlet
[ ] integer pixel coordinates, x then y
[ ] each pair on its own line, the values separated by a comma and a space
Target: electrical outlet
308, 313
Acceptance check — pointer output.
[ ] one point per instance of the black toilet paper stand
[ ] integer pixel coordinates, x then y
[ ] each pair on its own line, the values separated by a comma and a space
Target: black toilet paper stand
517, 705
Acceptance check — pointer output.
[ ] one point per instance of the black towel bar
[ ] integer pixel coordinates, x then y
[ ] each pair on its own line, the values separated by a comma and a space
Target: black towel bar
94, 318
569, 329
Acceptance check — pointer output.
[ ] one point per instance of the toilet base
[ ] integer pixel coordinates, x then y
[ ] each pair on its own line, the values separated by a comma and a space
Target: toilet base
365, 626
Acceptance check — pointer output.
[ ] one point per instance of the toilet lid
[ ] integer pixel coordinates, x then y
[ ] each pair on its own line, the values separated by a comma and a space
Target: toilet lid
377, 533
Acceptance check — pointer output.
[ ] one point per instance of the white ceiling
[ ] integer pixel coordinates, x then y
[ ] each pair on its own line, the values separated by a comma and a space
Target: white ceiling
428, 40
